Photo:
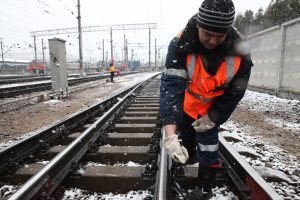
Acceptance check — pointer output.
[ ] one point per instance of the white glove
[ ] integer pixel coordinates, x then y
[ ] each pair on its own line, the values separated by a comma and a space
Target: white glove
176, 151
203, 124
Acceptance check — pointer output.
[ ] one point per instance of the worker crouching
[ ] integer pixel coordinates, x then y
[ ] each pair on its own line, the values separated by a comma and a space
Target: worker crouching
205, 77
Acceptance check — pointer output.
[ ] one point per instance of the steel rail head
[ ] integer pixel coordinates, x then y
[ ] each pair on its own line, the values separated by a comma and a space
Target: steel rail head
29, 189
161, 193
251, 173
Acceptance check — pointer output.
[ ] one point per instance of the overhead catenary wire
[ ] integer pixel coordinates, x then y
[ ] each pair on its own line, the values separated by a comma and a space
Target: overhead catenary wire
25, 20
66, 7
51, 11
20, 18
43, 3
46, 8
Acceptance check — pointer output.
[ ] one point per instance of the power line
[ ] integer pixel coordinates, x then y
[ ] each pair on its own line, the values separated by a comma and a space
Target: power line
43, 3
54, 13
10, 22
15, 6
66, 7
25, 11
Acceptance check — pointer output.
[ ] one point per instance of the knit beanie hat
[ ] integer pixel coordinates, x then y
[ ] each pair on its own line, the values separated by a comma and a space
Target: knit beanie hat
216, 15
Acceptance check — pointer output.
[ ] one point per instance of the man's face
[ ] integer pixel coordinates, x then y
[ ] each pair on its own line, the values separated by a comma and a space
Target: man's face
209, 39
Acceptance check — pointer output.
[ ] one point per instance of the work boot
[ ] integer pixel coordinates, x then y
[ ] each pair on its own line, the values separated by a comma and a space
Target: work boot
199, 194
206, 177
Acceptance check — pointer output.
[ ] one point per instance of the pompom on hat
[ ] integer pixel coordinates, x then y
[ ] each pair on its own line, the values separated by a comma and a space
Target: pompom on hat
216, 15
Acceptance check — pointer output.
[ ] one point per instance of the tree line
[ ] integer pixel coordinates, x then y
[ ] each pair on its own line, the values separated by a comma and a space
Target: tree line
277, 12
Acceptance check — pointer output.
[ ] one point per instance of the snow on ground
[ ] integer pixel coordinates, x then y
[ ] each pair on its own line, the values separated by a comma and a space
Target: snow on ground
129, 164
80, 194
38, 115
7, 190
24, 83
270, 161
28, 83
261, 102
282, 113
220, 193
267, 156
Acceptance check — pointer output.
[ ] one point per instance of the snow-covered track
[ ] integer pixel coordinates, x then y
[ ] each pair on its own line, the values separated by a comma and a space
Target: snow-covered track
115, 146
21, 79
12, 91
67, 157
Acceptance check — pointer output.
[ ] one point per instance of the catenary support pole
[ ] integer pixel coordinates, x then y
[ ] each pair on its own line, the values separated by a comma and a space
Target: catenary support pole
80, 39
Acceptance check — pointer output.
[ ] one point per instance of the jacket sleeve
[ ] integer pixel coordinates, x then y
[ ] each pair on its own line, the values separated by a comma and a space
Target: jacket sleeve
225, 104
172, 86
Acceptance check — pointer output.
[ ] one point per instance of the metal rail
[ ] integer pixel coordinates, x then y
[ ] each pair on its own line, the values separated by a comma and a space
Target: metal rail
57, 169
28, 79
6, 92
249, 183
10, 156
162, 172
246, 179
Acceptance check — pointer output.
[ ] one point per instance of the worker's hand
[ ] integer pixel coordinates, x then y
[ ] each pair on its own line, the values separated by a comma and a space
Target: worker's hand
203, 124
176, 151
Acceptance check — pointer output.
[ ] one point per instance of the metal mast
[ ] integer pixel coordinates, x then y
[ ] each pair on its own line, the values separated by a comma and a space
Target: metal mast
80, 39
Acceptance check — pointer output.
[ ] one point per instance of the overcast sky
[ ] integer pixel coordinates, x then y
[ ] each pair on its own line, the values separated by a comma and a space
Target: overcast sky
19, 17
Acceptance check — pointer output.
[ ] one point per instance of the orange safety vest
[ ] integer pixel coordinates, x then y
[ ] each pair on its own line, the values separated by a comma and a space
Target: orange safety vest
111, 69
203, 87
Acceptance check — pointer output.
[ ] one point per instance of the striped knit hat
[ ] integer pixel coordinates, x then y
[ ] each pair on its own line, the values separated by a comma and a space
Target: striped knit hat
216, 15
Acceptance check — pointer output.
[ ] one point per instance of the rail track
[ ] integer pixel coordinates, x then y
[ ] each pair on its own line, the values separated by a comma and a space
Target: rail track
15, 103
90, 150
22, 79
12, 91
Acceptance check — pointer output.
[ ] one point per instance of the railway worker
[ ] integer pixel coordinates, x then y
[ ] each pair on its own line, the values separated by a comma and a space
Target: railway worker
206, 74
112, 71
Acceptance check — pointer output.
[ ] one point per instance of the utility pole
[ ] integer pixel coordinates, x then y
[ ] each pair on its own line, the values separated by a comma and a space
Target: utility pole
45, 69
106, 59
131, 58
149, 48
111, 46
90, 51
2, 55
124, 58
125, 52
103, 53
155, 53
80, 39
35, 56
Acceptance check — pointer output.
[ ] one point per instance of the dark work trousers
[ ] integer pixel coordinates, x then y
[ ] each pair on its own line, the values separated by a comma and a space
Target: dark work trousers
205, 145
112, 74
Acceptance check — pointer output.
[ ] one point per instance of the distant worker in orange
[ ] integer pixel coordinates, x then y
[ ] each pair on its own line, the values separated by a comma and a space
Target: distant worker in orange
112, 71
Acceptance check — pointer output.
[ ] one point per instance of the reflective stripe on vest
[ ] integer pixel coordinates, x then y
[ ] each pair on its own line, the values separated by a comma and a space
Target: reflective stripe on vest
229, 68
176, 72
191, 66
197, 96
191, 69
210, 148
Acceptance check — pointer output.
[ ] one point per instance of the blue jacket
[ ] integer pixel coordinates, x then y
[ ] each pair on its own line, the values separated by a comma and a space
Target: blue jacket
172, 87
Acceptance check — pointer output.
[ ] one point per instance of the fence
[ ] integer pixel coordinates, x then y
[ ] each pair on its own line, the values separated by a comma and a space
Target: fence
276, 57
